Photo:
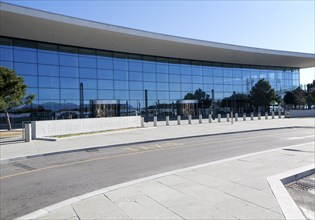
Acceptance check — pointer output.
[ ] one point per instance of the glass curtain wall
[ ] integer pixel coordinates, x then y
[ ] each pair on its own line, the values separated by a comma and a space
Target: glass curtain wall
54, 73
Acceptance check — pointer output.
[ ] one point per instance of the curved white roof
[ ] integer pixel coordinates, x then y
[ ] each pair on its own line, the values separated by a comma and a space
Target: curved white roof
31, 24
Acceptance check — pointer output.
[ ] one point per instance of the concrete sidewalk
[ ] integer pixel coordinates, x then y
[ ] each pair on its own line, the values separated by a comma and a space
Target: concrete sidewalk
235, 188
15, 150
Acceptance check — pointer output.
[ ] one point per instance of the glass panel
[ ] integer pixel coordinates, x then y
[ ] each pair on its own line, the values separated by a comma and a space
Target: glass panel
162, 95
69, 83
119, 94
185, 69
69, 71
207, 79
87, 73
218, 87
123, 85
174, 68
162, 68
162, 77
69, 94
187, 87
148, 67
105, 94
44, 47
174, 86
89, 94
89, 83
197, 86
149, 77
46, 70
31, 81
135, 76
136, 95
186, 78
24, 45
105, 74
25, 56
50, 105
68, 60
6, 54
48, 58
135, 66
105, 63
175, 95
174, 78
120, 75
25, 68
48, 93
120, 64
49, 82
6, 64
149, 85
87, 62
197, 79
162, 86
105, 84
136, 86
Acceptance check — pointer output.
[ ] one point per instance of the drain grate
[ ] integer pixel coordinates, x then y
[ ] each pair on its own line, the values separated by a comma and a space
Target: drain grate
302, 186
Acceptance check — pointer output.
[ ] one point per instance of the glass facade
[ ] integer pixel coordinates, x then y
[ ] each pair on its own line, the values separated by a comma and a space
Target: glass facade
54, 73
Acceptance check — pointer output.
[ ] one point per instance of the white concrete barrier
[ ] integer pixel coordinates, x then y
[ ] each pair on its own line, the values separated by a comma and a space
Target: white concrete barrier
236, 116
178, 119
189, 119
28, 132
76, 126
200, 119
227, 117
219, 117
167, 120
154, 121
210, 118
302, 113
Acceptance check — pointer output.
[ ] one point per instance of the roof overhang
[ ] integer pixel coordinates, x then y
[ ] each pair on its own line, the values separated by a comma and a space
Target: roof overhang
31, 24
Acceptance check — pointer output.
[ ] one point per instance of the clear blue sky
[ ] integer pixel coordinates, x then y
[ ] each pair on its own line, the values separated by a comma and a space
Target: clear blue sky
280, 25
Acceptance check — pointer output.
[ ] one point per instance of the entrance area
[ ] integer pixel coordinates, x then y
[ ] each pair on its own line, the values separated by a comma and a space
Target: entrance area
105, 108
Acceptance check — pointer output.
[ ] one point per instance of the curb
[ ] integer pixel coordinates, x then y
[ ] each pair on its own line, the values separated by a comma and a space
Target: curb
3, 161
277, 182
46, 210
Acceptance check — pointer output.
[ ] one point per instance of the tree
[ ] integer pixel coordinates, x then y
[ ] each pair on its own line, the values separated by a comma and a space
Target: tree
262, 94
289, 98
311, 94
13, 92
241, 101
203, 98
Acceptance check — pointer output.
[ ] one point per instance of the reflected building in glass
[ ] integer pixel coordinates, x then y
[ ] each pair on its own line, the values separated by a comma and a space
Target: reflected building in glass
55, 53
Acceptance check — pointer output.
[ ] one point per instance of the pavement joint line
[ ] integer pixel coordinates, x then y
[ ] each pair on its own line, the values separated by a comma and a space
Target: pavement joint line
8, 160
41, 212
286, 203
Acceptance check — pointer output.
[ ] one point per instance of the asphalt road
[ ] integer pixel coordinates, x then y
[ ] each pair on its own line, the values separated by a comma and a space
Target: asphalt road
28, 185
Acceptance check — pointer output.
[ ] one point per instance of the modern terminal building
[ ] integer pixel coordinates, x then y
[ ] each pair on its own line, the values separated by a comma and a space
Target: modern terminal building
80, 68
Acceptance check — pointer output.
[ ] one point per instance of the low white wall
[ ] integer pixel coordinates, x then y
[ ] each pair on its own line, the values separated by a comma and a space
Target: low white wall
75, 126
302, 113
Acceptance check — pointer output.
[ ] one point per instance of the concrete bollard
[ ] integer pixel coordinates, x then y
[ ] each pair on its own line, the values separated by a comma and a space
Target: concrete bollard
142, 122
189, 119
227, 117
279, 114
266, 115
236, 116
28, 132
210, 118
252, 116
244, 116
178, 119
259, 115
273, 115
200, 119
219, 117
154, 121
167, 120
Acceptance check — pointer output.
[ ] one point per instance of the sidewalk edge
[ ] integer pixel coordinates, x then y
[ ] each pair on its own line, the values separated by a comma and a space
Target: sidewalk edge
276, 183
48, 209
